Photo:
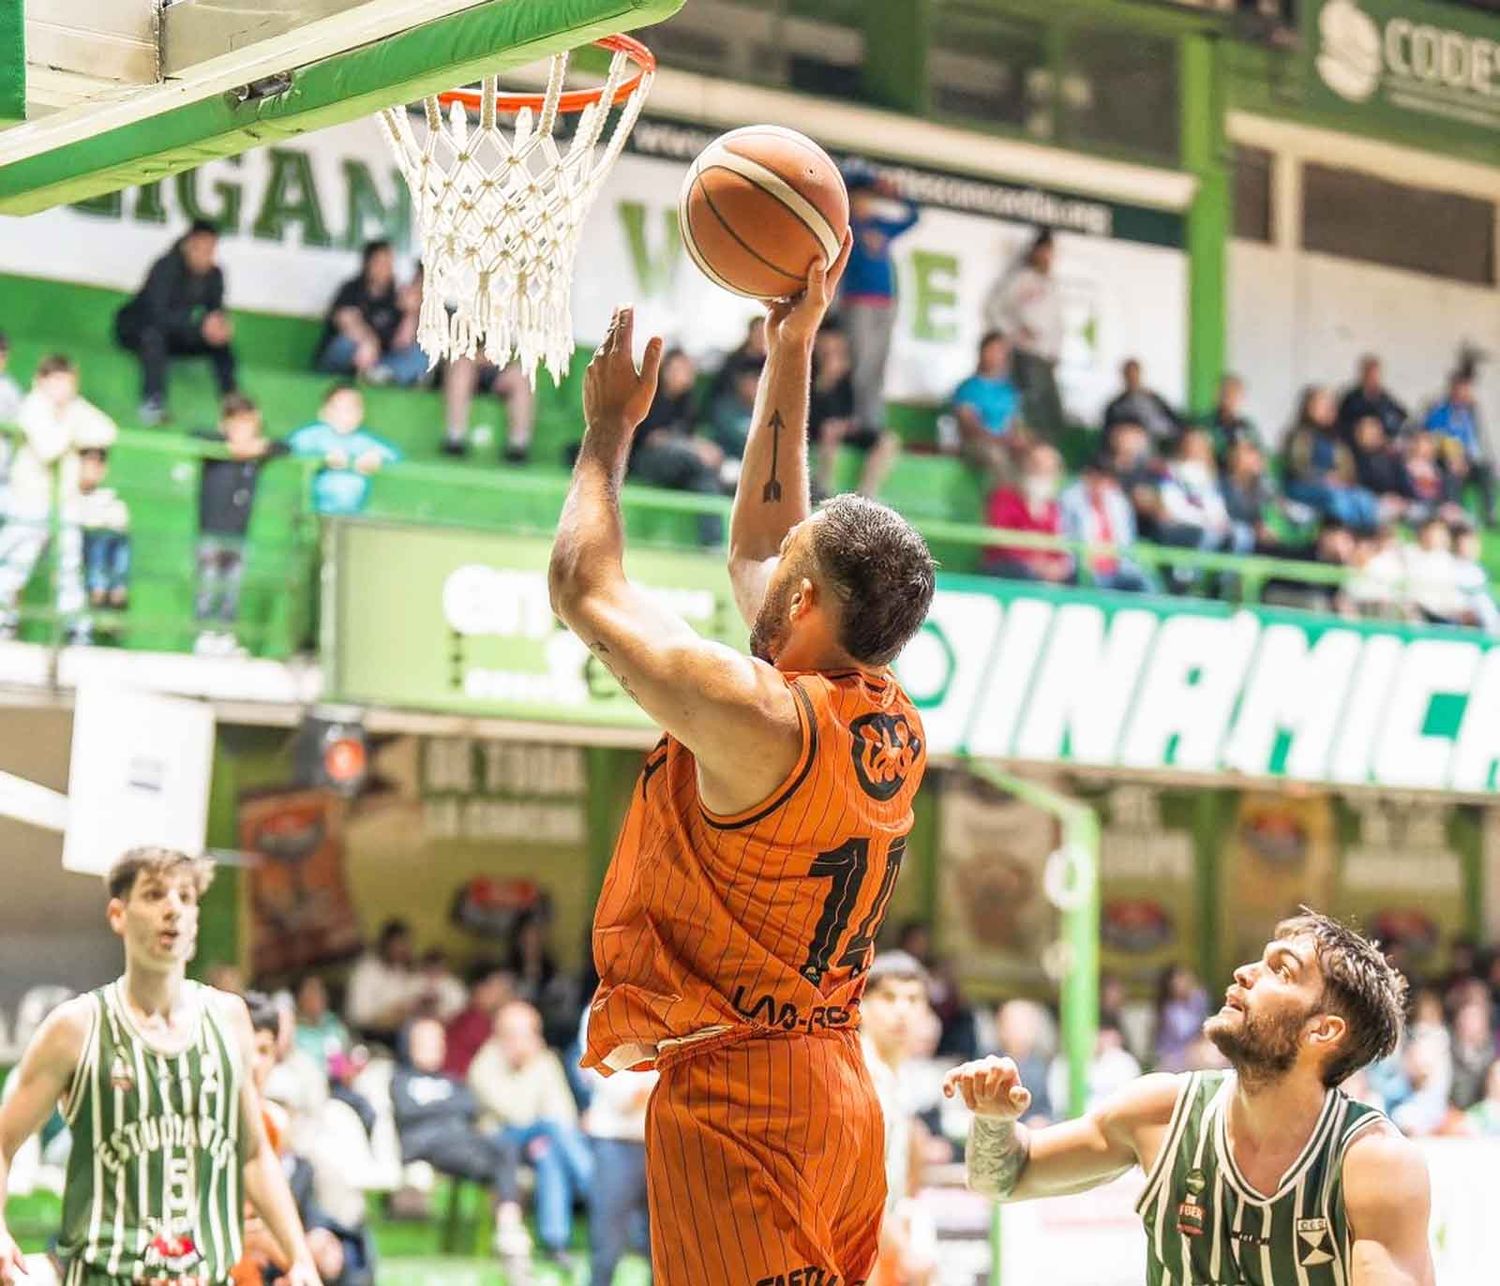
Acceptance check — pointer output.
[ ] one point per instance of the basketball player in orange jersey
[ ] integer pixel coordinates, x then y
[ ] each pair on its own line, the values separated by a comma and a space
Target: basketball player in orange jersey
763, 840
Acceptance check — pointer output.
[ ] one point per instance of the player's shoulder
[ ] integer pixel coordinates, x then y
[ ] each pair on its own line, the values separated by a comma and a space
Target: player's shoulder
1146, 1101
228, 1006
1385, 1178
63, 1035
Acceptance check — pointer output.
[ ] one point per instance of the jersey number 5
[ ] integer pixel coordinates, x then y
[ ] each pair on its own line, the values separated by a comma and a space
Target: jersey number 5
846, 867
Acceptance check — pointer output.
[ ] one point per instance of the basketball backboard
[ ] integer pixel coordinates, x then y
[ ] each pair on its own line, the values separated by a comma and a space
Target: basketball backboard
123, 92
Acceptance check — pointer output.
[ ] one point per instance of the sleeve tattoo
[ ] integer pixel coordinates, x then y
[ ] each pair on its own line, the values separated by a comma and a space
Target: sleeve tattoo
997, 1155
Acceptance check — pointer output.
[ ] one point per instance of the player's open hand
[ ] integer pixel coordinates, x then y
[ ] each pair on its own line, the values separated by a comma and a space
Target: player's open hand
12, 1262
616, 396
989, 1087
797, 317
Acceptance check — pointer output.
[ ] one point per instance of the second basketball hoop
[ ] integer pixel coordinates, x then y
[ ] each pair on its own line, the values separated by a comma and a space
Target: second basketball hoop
499, 200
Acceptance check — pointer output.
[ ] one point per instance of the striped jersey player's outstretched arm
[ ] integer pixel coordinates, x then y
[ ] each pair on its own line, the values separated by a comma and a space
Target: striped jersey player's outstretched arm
772, 495
1007, 1161
737, 715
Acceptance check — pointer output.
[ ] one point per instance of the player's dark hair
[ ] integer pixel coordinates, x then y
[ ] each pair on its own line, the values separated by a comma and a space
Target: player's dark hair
895, 966
1359, 985
131, 865
265, 1014
881, 572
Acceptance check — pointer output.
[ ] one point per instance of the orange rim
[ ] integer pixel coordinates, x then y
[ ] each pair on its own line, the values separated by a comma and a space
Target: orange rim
573, 100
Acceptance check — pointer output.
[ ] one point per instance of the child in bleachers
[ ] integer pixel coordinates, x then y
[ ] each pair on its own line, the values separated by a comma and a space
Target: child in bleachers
349, 451
226, 495
103, 518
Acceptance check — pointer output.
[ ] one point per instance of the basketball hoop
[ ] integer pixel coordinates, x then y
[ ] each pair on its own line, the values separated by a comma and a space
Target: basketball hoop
499, 206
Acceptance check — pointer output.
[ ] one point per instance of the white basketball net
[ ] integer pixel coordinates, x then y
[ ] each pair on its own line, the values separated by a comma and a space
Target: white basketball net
498, 211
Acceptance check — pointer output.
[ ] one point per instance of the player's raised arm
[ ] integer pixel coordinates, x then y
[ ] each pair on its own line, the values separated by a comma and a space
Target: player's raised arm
1009, 1162
1389, 1200
44, 1074
772, 496
736, 714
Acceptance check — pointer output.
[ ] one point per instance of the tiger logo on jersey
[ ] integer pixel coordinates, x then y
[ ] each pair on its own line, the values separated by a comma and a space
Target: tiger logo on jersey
885, 749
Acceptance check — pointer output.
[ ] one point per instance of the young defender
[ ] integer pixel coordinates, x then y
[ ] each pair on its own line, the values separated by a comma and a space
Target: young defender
755, 865
1266, 1175
152, 1073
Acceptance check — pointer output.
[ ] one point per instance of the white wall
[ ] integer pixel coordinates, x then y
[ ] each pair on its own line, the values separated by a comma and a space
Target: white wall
1297, 318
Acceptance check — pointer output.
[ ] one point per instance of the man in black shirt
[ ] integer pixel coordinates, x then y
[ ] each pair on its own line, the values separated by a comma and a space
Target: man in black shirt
226, 495
832, 423
1370, 397
371, 328
179, 312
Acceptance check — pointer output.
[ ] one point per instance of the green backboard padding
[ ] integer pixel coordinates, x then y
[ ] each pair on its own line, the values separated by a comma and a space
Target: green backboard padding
428, 59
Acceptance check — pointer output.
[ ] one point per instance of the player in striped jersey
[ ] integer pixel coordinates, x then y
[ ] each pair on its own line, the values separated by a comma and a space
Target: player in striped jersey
1267, 1175
152, 1075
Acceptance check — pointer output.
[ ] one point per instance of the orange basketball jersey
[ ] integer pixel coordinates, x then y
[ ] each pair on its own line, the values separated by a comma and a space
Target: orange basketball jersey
765, 919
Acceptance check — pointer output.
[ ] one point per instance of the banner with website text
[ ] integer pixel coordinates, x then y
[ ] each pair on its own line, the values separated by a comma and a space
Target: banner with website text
459, 621
294, 215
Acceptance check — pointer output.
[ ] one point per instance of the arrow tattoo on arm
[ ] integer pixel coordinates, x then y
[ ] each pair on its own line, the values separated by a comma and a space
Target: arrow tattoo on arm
772, 490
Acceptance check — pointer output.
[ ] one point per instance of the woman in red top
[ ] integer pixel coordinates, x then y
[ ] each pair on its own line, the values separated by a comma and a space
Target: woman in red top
1030, 505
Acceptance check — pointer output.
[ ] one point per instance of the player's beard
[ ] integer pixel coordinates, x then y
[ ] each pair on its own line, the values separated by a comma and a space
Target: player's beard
768, 634
1261, 1049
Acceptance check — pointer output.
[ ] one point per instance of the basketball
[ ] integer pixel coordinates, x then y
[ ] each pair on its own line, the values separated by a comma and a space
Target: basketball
759, 206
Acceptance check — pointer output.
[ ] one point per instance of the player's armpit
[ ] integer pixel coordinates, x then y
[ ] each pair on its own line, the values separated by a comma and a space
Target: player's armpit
45, 1073
1389, 1201
736, 714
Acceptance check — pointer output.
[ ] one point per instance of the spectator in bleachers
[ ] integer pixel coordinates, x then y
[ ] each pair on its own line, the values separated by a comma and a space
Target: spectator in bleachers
1380, 469
350, 452
10, 393
1193, 512
1473, 1052
1334, 546
751, 350
522, 1090
1095, 510
987, 407
226, 498
730, 414
1431, 490
462, 378
539, 981
616, 1127
317, 1031
1026, 304
1030, 505
878, 214
1249, 493
439, 992
1432, 574
1474, 581
104, 519
437, 1121
1369, 396
1110, 1070
1320, 467
1455, 420
1181, 1008
368, 333
179, 312
490, 989
1024, 1033
382, 986
1484, 1116
667, 450
56, 424
1228, 422
1138, 470
832, 421
1137, 404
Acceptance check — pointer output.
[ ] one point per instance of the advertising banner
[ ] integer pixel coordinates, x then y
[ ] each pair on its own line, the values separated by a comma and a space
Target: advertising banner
459, 621
294, 215
1378, 63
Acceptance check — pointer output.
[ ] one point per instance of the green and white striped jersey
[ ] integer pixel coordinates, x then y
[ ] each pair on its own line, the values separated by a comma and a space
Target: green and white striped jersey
1205, 1224
154, 1177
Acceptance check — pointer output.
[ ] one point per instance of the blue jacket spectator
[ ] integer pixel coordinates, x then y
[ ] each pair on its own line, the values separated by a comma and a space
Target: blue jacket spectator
350, 452
1456, 421
877, 216
987, 406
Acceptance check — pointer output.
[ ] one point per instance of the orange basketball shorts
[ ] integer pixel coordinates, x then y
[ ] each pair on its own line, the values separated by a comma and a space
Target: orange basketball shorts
765, 1163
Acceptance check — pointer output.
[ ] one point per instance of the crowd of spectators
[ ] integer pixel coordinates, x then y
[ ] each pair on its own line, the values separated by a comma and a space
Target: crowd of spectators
1394, 500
